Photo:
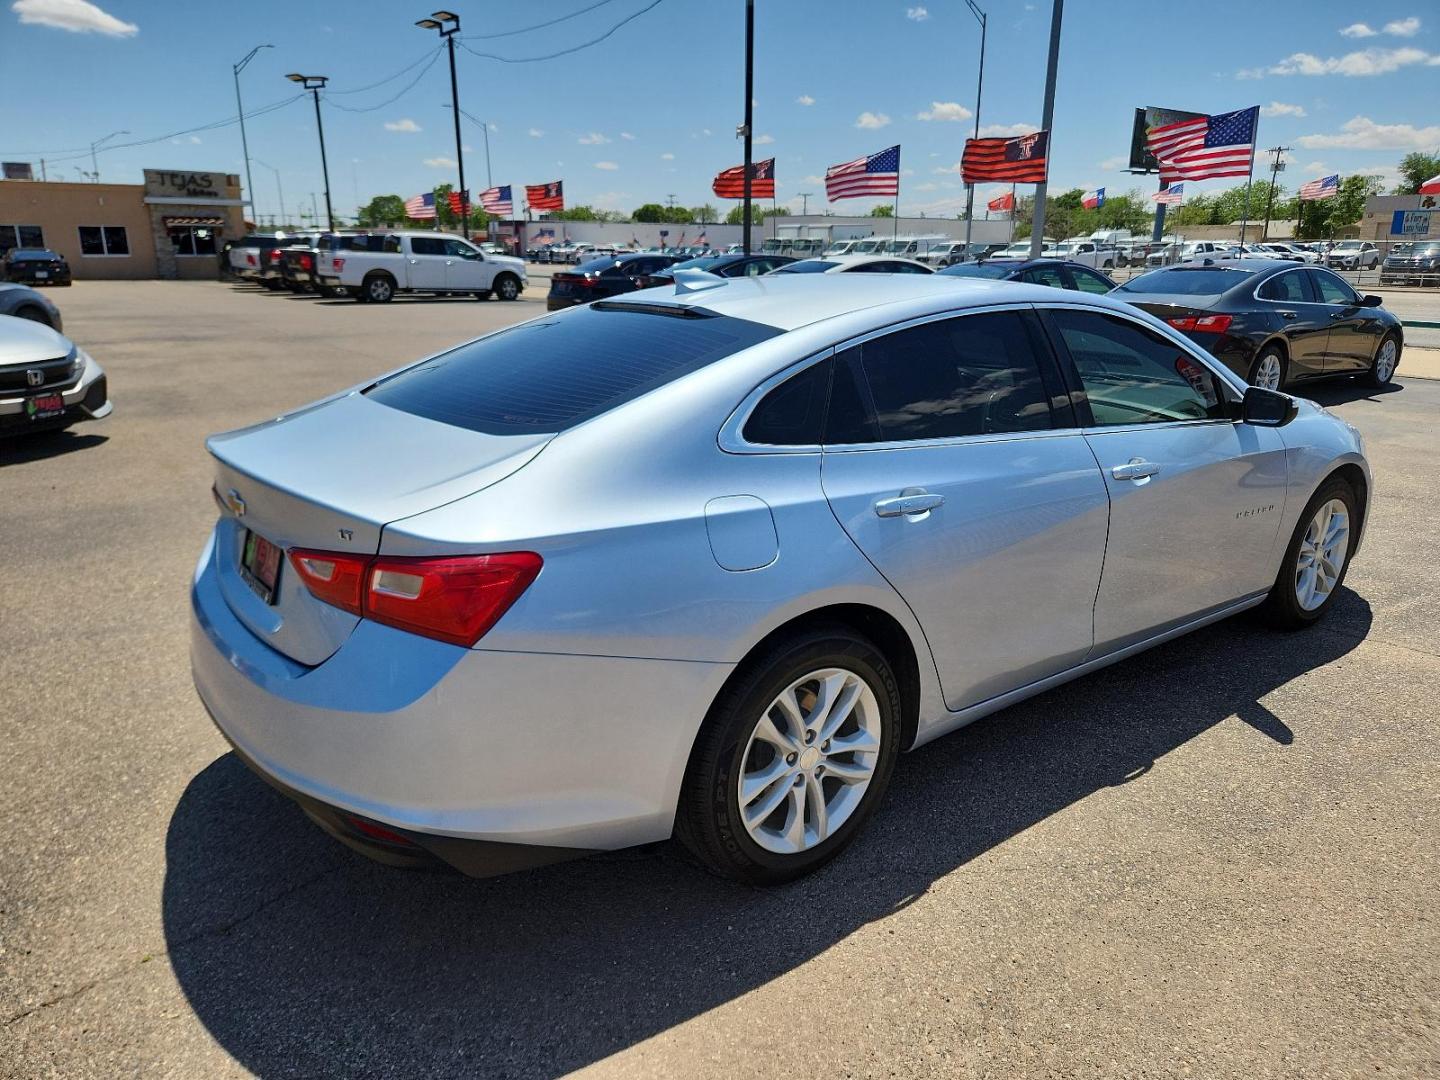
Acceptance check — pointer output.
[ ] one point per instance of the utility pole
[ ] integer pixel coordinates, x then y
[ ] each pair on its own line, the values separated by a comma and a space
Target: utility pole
1037, 233
448, 24
240, 112
1277, 166
979, 86
315, 83
746, 128
94, 166
284, 217
804, 202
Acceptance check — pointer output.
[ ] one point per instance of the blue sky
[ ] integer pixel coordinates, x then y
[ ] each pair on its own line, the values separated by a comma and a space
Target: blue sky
651, 111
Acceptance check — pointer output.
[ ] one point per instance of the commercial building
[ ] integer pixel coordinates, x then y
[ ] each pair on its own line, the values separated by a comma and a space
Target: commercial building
171, 226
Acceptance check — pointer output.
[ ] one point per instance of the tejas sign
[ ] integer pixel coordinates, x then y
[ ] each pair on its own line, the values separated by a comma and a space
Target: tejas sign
191, 185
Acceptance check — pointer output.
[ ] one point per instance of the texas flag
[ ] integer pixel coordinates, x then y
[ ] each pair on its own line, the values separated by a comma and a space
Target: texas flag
1431, 186
1093, 200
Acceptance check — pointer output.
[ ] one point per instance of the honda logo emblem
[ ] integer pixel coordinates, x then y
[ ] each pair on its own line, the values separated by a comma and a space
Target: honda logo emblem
34, 377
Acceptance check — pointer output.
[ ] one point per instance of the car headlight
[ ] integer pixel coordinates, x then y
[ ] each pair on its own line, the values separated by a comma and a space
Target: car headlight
77, 366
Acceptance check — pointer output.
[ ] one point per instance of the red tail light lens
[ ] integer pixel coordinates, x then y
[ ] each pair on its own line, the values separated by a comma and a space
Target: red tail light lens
1209, 324
450, 598
339, 264
305, 262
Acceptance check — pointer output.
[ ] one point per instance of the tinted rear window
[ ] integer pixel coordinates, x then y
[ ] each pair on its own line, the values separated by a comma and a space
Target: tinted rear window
597, 266
805, 266
557, 372
1177, 281
981, 270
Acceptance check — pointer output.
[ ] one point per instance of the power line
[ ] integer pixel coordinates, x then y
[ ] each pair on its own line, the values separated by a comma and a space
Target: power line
563, 52
537, 26
390, 78
390, 101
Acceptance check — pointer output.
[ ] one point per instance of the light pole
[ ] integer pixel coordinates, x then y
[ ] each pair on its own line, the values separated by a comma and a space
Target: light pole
447, 23
746, 128
240, 111
1052, 67
804, 202
94, 166
315, 83
979, 86
284, 217
484, 127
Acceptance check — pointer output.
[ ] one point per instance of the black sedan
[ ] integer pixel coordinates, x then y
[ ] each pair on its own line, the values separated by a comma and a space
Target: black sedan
1054, 272
35, 266
1274, 323
599, 278
721, 266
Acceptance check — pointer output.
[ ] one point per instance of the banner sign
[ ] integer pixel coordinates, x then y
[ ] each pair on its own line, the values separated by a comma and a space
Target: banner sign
1410, 223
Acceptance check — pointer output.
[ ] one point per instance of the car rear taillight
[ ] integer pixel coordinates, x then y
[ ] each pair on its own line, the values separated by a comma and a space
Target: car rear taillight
1209, 324
250, 258
454, 598
305, 262
339, 264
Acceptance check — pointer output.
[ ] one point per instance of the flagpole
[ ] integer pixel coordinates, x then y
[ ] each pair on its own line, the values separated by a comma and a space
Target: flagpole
979, 86
1014, 207
895, 232
1254, 142
749, 111
1037, 230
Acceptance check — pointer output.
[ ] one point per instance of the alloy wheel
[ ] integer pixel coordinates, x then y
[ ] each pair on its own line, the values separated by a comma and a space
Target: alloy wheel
1267, 373
809, 760
1386, 361
506, 289
1321, 557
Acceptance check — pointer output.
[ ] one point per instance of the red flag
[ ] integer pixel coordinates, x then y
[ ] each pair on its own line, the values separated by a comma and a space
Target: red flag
1004, 202
730, 184
549, 196
457, 203
1012, 161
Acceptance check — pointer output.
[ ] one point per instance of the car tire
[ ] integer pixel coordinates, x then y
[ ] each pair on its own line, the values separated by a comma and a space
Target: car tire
1383, 367
1269, 366
1291, 605
379, 288
793, 838
507, 287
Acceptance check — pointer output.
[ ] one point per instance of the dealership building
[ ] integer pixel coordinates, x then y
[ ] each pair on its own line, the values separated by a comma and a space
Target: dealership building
171, 226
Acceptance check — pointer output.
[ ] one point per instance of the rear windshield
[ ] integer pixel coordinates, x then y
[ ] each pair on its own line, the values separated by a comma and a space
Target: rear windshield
985, 269
1180, 281
552, 374
34, 253
597, 266
805, 266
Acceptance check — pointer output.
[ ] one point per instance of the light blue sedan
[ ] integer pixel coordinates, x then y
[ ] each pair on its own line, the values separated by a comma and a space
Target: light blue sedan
702, 560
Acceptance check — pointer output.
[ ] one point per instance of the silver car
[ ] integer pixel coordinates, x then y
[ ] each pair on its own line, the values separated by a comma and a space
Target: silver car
701, 560
46, 381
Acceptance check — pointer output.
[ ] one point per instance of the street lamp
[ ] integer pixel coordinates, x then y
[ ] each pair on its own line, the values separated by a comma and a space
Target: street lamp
484, 127
316, 83
240, 111
284, 217
447, 23
979, 86
94, 167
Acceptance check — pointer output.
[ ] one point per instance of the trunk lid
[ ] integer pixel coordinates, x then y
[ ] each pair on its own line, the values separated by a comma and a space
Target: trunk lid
330, 477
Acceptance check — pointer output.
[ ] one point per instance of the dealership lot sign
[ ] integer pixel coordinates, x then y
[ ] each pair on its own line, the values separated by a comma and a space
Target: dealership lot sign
1410, 223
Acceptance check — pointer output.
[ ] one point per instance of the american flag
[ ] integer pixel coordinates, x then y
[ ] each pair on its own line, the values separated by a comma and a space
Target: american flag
878, 174
730, 184
1171, 196
1324, 188
1206, 147
420, 207
549, 196
1021, 160
497, 201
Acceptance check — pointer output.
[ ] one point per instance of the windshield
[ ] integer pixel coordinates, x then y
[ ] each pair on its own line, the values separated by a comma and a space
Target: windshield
991, 269
868, 247
1186, 281
805, 266
1348, 245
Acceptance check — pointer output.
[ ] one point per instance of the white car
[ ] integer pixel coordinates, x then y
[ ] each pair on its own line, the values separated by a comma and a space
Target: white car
1084, 252
1353, 255
421, 262
46, 381
854, 264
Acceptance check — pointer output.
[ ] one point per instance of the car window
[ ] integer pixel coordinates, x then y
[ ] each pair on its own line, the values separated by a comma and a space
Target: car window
1132, 375
427, 245
969, 375
1044, 275
1089, 281
460, 248
1187, 281
793, 413
1287, 288
1331, 289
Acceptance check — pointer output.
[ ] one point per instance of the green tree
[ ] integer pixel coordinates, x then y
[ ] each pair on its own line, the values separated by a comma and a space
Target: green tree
574, 213
758, 213
382, 210
1347, 207
704, 214
1415, 169
650, 213
888, 210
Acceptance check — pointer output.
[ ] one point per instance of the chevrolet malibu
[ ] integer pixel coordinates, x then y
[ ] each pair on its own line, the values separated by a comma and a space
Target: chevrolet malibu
701, 561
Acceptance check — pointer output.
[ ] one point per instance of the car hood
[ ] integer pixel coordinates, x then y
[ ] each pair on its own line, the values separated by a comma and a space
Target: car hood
24, 341
507, 260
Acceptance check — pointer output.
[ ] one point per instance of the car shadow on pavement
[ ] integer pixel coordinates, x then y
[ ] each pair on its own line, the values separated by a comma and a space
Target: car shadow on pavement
302, 958
1344, 391
46, 444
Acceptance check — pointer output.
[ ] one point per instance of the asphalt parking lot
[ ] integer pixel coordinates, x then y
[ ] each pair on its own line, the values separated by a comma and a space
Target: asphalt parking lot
1215, 859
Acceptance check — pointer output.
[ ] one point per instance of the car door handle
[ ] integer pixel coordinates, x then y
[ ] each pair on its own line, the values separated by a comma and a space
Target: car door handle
1134, 469
907, 505
1289, 314
1339, 314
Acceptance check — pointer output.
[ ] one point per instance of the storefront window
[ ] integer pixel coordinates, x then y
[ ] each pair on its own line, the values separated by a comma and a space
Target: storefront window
104, 240
195, 239
25, 236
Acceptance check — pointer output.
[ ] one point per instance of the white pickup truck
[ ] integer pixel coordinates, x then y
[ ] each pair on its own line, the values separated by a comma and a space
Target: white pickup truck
419, 262
1085, 252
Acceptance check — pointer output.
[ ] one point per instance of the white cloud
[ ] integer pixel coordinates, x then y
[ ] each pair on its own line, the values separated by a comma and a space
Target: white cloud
77, 16
929, 185
941, 170
812, 180
1119, 161
610, 200
1358, 30
593, 139
667, 156
402, 125
1373, 61
917, 14
805, 99
1008, 131
608, 166
441, 162
764, 140
1280, 108
705, 132
945, 110
1403, 27
1317, 167
536, 133
1362, 133
871, 120
627, 136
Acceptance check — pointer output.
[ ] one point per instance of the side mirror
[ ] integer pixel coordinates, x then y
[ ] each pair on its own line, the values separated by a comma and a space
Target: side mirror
1371, 300
1267, 408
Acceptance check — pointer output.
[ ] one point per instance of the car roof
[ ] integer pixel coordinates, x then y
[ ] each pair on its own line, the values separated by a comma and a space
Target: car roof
790, 301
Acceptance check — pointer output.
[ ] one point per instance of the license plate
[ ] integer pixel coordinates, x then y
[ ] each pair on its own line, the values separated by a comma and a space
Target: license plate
42, 273
260, 565
44, 406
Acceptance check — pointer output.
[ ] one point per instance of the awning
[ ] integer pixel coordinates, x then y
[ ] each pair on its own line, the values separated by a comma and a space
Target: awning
212, 222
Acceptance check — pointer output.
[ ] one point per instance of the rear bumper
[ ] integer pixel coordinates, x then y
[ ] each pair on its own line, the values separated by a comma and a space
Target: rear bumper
442, 744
